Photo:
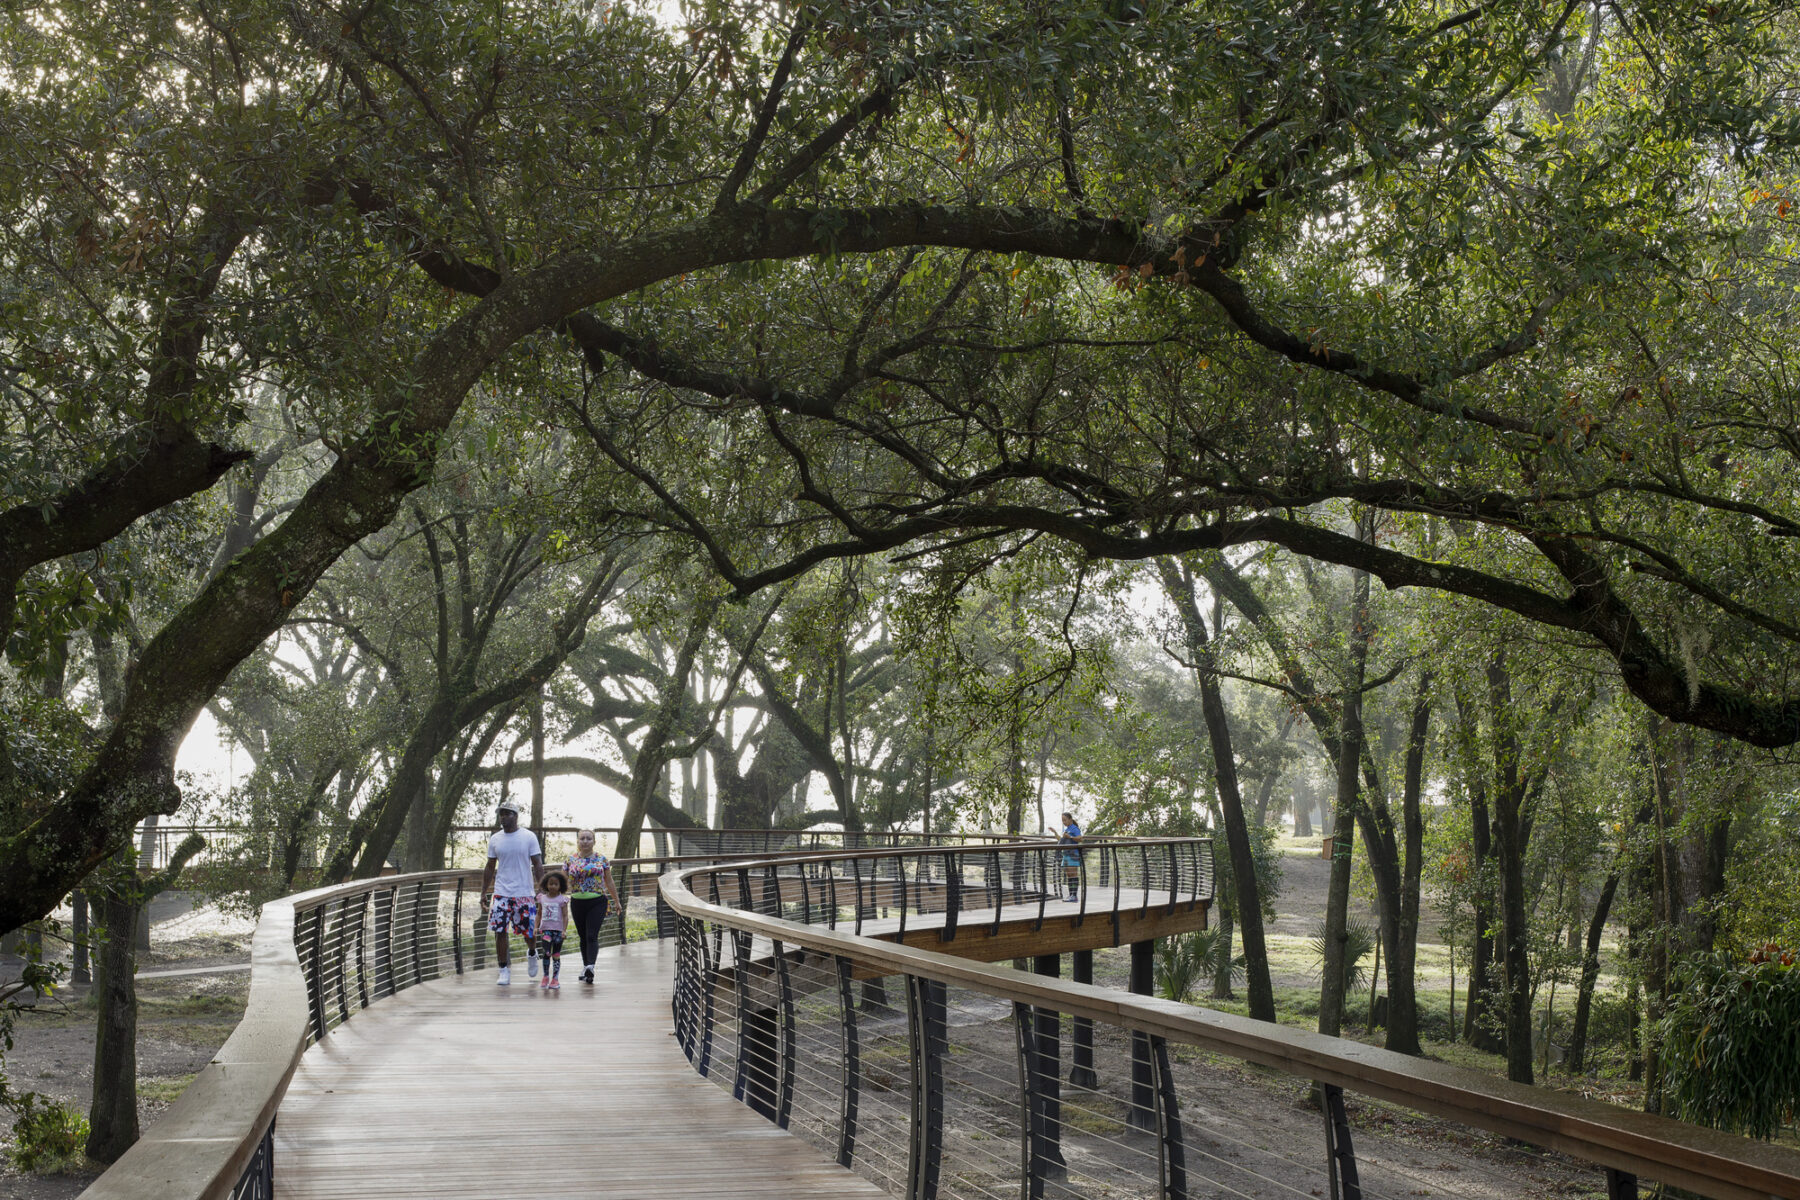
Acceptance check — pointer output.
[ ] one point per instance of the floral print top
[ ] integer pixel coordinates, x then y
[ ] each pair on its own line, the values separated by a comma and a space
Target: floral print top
587, 874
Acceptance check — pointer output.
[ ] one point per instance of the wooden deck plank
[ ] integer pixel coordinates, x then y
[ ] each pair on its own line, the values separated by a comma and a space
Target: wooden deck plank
458, 1088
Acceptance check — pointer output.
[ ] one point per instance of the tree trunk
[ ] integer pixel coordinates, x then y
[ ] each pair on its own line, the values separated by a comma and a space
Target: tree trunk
537, 764
1403, 950
1590, 973
1509, 846
1246, 894
112, 1116
1343, 825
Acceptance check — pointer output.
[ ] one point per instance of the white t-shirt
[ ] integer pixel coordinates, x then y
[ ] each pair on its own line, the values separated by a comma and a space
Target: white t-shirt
514, 851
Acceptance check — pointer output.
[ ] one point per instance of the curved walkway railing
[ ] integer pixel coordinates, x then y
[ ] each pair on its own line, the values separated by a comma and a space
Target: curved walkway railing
223, 842
317, 959
959, 1085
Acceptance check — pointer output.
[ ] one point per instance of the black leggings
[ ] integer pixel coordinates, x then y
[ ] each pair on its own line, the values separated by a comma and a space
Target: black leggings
589, 913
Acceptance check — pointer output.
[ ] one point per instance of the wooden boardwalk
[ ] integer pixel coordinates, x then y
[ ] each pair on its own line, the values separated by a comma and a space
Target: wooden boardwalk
459, 1088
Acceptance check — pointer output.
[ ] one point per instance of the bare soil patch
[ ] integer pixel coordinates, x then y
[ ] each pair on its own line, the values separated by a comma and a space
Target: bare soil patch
182, 1021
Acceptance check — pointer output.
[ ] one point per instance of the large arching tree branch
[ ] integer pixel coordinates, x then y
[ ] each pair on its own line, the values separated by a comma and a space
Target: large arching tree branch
161, 462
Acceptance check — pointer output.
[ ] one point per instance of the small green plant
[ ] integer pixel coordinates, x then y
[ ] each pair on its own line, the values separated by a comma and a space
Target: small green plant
48, 1135
1731, 1043
1184, 960
1359, 941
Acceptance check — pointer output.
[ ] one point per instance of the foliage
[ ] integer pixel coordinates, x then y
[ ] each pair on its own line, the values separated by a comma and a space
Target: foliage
47, 1134
1764, 877
1184, 961
1359, 942
1731, 1043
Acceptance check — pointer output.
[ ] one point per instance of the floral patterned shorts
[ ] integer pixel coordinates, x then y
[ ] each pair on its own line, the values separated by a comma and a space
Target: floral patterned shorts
518, 911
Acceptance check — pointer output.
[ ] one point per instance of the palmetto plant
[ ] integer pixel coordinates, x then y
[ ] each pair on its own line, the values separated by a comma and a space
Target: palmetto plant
1359, 941
1183, 961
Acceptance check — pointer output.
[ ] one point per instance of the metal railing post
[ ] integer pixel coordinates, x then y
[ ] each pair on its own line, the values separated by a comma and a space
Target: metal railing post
784, 1088
343, 961
456, 927
1340, 1154
315, 983
952, 898
1144, 881
362, 958
384, 928
1031, 1183
852, 1077
1172, 1154
1047, 1159
703, 1061
740, 970
927, 1042
418, 912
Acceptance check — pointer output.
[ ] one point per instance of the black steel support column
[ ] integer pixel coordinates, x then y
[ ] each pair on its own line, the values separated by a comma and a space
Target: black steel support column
1341, 1160
928, 1043
1082, 1075
1047, 1032
852, 1050
1141, 1116
1172, 1158
1620, 1185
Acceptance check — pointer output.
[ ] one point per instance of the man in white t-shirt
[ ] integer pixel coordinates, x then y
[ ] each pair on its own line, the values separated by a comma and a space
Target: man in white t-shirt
509, 887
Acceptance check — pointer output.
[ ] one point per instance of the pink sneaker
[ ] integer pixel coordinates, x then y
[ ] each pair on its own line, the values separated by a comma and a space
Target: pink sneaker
544, 982
556, 983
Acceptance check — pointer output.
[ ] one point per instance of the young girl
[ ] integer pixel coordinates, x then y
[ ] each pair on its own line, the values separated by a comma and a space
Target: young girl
553, 920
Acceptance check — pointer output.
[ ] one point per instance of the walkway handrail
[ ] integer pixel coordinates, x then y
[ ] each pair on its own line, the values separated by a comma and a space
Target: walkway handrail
317, 957
1626, 1143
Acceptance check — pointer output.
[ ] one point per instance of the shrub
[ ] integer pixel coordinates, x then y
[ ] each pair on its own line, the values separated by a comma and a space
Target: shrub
1183, 960
1359, 941
47, 1134
1731, 1043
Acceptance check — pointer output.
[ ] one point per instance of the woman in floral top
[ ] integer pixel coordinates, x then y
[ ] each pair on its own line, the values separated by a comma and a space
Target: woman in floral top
590, 883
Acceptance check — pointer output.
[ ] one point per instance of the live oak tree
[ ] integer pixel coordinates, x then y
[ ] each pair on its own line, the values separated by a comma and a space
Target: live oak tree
1148, 281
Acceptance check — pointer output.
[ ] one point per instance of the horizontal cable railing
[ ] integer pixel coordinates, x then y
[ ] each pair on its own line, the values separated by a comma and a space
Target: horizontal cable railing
319, 958
936, 1076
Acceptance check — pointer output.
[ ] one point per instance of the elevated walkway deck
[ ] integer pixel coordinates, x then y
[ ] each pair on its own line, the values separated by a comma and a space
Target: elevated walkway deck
457, 1088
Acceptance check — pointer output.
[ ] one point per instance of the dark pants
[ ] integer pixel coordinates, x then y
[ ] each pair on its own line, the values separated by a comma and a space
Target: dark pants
589, 915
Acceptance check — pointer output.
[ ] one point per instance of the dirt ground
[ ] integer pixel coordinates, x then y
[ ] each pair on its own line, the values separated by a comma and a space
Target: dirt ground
182, 1020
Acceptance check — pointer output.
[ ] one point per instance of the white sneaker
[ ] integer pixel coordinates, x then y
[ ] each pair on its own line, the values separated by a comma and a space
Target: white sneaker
532, 968
505, 979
